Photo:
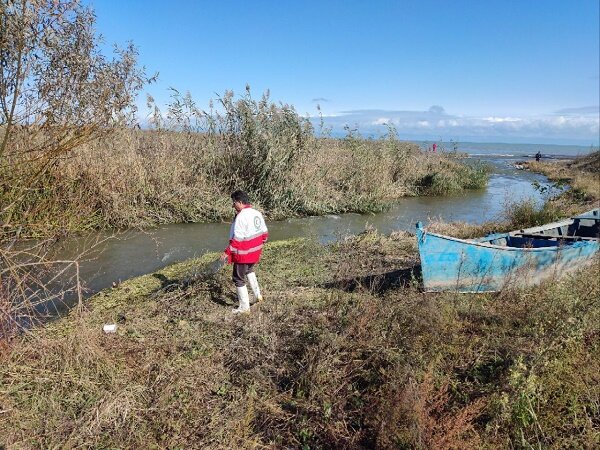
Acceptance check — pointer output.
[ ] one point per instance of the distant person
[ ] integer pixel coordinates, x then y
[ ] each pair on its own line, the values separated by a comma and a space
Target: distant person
434, 147
247, 235
538, 156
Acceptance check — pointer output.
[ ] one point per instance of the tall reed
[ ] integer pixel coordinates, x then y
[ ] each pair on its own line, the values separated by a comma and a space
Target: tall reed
185, 166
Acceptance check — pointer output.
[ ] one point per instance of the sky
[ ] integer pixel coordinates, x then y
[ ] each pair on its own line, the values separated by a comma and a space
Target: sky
483, 71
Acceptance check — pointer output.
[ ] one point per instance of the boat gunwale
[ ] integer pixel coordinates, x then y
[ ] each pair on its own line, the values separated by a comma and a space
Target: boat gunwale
487, 245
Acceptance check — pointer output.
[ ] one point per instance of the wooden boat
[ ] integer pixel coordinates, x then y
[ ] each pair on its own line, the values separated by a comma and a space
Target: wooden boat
518, 258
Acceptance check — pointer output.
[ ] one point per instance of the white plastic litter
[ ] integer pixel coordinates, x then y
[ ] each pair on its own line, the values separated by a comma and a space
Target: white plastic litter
110, 328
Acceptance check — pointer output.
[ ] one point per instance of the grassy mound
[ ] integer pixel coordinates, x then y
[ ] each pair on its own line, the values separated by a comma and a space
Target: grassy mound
589, 163
345, 352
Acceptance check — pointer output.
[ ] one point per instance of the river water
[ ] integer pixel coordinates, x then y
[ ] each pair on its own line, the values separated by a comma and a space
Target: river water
136, 253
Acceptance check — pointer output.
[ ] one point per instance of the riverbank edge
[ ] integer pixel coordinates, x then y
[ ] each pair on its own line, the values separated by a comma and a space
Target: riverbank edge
350, 309
580, 174
136, 290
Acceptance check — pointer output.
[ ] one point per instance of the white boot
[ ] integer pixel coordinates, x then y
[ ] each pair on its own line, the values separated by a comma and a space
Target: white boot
244, 298
254, 285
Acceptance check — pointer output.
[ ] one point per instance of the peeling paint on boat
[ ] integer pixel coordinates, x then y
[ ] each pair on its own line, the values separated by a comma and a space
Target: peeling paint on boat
507, 260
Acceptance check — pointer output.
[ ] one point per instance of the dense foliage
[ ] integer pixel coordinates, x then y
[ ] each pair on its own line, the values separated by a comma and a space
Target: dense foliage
176, 172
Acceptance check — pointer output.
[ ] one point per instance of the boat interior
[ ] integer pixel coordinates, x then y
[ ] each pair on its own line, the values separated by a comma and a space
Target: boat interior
585, 227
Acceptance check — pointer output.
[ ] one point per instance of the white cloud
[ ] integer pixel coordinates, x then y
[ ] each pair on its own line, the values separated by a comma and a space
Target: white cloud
381, 121
502, 119
574, 123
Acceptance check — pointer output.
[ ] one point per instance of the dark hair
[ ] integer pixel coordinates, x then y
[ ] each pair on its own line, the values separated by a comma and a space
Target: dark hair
240, 196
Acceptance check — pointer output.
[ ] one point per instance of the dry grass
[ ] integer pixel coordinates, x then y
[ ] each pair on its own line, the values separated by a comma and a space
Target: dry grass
148, 178
345, 352
143, 178
581, 174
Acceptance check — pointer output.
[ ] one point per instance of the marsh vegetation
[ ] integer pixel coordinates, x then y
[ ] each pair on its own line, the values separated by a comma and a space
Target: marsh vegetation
142, 178
346, 351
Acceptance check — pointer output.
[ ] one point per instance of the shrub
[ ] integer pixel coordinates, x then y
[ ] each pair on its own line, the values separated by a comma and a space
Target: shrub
530, 213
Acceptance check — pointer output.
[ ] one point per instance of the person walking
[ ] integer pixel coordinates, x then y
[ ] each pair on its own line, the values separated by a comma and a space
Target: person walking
247, 236
538, 156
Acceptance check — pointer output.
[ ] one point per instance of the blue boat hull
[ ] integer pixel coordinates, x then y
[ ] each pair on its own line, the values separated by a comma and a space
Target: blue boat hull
450, 264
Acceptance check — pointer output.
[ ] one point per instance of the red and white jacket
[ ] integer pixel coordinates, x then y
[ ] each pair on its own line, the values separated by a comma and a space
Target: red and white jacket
247, 236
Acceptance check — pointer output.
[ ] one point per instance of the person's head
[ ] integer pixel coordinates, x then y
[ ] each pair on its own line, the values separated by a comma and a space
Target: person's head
240, 199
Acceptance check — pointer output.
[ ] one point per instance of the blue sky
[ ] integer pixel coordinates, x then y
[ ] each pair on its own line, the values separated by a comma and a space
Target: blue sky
504, 71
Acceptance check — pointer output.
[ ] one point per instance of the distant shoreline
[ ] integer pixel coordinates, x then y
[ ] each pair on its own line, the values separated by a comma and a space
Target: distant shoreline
512, 150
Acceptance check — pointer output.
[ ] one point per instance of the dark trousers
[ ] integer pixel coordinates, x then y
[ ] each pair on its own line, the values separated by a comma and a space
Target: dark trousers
239, 273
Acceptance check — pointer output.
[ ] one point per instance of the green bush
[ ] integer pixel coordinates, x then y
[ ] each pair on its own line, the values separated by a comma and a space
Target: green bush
529, 213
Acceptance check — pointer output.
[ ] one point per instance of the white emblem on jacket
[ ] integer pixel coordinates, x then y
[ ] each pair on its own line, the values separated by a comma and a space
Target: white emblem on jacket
248, 224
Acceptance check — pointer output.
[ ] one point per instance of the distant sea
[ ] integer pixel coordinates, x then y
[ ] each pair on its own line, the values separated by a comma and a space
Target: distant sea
502, 150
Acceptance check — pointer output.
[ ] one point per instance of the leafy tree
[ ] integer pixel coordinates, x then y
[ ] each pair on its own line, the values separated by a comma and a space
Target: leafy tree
57, 90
